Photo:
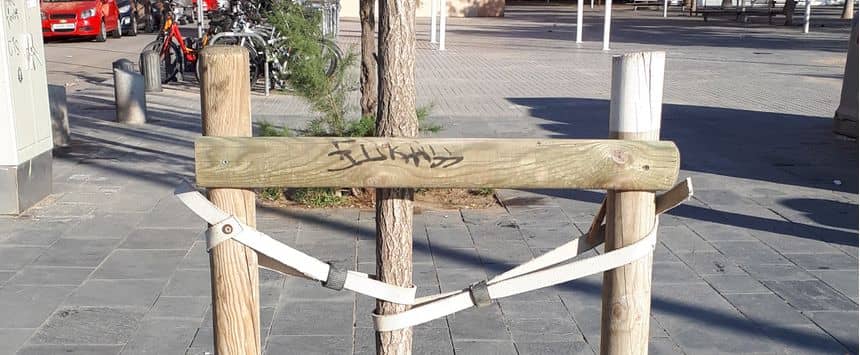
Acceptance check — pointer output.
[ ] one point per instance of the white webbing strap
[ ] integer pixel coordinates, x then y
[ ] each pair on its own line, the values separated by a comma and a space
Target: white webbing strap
226, 227
498, 287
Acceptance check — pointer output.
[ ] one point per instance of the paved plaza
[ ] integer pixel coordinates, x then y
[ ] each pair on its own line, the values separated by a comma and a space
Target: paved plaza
763, 259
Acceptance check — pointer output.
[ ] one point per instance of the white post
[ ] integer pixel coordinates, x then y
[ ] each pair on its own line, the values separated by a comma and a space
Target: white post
607, 18
579, 21
592, 4
665, 8
807, 16
433, 14
443, 13
199, 18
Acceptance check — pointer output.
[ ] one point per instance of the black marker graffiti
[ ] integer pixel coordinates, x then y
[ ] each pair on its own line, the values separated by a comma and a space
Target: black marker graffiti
346, 151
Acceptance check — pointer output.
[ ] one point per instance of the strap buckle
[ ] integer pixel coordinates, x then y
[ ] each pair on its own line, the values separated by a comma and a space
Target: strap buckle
336, 278
480, 294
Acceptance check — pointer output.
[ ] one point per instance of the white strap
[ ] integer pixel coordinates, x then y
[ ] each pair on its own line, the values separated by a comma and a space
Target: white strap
437, 307
229, 227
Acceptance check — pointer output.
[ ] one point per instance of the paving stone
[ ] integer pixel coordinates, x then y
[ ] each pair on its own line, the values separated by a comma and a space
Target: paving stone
12, 338
673, 273
810, 295
313, 318
105, 226
766, 308
70, 349
75, 252
554, 309
139, 264
658, 346
43, 234
803, 339
444, 238
181, 239
730, 284
811, 262
710, 264
457, 279
296, 289
39, 275
5, 276
745, 253
196, 258
548, 237
204, 341
842, 325
843, 281
308, 344
162, 336
570, 347
427, 340
180, 307
778, 272
549, 330
89, 325
715, 232
14, 258
172, 214
116, 293
789, 244
189, 283
682, 239
484, 347
484, 323
29, 306
456, 258
504, 252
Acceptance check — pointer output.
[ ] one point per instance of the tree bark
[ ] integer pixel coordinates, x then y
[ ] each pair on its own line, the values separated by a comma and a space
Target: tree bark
368, 58
395, 118
788, 10
848, 10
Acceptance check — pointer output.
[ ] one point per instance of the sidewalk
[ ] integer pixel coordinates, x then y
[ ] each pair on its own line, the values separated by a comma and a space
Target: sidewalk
763, 260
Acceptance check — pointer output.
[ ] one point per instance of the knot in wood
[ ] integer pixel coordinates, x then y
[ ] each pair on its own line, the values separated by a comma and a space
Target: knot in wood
619, 157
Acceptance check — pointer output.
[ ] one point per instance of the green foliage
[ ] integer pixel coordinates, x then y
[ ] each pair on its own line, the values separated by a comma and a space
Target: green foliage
270, 130
318, 197
484, 191
271, 193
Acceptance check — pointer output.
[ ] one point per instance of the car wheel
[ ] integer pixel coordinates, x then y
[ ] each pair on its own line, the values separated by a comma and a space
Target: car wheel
102, 36
133, 31
118, 32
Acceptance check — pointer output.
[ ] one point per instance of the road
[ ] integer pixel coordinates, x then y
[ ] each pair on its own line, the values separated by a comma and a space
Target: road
79, 64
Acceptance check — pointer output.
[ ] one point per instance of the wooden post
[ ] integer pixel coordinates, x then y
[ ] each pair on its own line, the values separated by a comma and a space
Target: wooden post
635, 109
396, 118
225, 100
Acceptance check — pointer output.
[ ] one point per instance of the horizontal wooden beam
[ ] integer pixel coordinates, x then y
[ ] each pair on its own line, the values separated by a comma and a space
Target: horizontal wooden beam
435, 163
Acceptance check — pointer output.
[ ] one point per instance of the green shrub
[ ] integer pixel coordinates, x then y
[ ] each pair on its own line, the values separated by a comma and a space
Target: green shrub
318, 197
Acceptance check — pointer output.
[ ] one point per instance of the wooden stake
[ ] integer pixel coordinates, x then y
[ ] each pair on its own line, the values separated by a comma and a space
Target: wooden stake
396, 118
225, 100
635, 110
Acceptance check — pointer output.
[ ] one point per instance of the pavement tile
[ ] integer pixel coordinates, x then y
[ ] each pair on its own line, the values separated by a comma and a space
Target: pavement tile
745, 253
196, 258
484, 323
766, 309
729, 284
29, 306
456, 258
484, 347
842, 280
550, 330
189, 283
105, 226
77, 252
70, 349
172, 214
43, 234
89, 325
504, 252
663, 346
162, 336
710, 263
804, 339
14, 258
180, 307
444, 238
567, 347
41, 275
313, 318
554, 309
836, 261
139, 264
811, 295
12, 338
116, 293
682, 239
180, 239
429, 341
778, 272
308, 345
842, 325
673, 273
715, 232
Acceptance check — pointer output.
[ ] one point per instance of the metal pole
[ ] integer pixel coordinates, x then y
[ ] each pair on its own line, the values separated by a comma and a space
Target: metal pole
443, 13
807, 16
592, 4
200, 18
665, 8
579, 21
607, 18
433, 12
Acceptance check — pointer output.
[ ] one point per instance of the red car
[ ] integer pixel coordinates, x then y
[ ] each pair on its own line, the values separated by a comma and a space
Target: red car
81, 18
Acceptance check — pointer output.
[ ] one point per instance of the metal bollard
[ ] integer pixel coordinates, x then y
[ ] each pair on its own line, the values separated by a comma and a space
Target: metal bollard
150, 67
59, 115
130, 97
124, 64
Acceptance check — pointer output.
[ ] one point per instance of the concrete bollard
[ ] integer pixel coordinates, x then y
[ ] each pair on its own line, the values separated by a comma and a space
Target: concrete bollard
124, 64
130, 97
150, 67
59, 115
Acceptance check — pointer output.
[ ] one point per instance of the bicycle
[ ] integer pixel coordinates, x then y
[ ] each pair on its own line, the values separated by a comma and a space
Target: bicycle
177, 52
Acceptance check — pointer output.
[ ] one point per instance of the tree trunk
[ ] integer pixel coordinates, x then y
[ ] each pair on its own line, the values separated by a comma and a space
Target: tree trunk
395, 118
848, 10
788, 10
726, 4
368, 58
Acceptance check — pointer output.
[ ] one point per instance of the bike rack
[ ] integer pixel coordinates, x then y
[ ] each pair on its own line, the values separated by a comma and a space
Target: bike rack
252, 36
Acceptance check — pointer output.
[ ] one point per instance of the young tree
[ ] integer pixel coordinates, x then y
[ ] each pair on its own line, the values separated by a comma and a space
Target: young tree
368, 58
395, 118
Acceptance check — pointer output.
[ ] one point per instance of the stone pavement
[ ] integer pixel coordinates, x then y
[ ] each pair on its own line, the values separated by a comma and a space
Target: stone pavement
763, 260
